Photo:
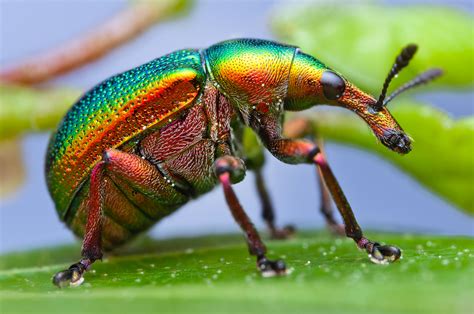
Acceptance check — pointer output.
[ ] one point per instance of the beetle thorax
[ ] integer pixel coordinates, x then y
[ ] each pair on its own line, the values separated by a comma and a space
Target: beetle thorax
253, 74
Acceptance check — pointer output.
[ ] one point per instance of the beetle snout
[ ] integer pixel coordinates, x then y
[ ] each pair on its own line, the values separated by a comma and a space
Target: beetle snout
396, 141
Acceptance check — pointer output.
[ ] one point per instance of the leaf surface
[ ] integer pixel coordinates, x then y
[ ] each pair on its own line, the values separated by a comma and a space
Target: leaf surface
214, 275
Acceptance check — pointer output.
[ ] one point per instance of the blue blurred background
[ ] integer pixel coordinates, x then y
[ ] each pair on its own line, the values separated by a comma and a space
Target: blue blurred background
28, 218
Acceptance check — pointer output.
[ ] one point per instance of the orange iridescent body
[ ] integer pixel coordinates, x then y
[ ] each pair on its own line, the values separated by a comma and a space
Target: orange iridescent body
115, 112
142, 143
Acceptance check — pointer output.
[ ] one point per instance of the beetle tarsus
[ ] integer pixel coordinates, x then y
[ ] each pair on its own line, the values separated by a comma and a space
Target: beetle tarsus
73, 276
380, 254
282, 233
269, 268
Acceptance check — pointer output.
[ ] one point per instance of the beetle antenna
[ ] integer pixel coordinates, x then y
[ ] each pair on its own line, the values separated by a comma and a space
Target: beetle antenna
420, 79
401, 61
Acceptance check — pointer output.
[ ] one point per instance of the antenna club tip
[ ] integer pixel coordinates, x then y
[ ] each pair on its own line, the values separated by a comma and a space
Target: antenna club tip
435, 72
412, 46
409, 51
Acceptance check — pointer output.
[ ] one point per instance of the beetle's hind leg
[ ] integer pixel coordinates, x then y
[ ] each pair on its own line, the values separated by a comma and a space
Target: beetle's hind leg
379, 254
326, 208
301, 127
230, 169
268, 213
255, 160
91, 246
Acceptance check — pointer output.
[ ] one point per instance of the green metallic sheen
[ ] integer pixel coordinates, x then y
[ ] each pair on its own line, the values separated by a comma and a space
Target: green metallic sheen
86, 122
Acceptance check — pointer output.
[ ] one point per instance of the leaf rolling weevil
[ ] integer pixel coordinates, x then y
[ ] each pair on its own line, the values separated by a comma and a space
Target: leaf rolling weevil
142, 143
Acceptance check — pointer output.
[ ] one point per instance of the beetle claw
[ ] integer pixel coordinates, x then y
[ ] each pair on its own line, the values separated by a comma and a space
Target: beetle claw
270, 268
383, 254
70, 277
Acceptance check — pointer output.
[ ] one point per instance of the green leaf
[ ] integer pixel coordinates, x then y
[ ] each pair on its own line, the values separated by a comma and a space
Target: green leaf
361, 39
25, 109
441, 158
252, 149
328, 276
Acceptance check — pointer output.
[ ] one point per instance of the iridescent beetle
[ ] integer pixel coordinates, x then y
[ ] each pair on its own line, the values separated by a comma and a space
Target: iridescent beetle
143, 143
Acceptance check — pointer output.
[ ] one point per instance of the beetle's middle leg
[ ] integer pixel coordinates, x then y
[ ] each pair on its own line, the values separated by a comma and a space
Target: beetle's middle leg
268, 213
229, 169
255, 160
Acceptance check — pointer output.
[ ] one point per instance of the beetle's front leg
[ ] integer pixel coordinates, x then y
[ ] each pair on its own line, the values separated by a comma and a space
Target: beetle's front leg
303, 151
380, 254
231, 169
91, 246
301, 127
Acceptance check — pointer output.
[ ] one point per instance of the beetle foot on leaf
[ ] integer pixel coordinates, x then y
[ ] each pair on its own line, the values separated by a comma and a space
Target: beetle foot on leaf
70, 277
270, 268
284, 233
382, 254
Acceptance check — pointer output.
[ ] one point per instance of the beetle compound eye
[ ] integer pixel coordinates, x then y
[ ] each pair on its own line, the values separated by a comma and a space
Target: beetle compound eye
333, 85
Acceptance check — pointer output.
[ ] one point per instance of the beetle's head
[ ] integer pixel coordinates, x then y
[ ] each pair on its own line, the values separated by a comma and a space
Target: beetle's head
313, 83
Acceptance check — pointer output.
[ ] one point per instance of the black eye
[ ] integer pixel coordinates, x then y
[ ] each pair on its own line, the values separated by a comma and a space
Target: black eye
333, 85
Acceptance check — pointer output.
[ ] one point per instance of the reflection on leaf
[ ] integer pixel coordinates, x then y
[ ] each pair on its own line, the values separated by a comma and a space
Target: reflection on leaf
361, 40
442, 151
214, 275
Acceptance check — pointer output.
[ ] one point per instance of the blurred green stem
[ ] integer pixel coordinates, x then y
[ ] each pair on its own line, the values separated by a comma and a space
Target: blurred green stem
12, 172
26, 110
92, 45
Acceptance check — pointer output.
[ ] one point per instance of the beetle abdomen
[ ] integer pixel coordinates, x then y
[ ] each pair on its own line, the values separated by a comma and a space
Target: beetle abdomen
116, 111
184, 151
126, 210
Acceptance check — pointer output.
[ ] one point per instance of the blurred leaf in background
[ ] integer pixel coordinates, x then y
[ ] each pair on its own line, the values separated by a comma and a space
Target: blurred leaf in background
441, 159
27, 110
360, 39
